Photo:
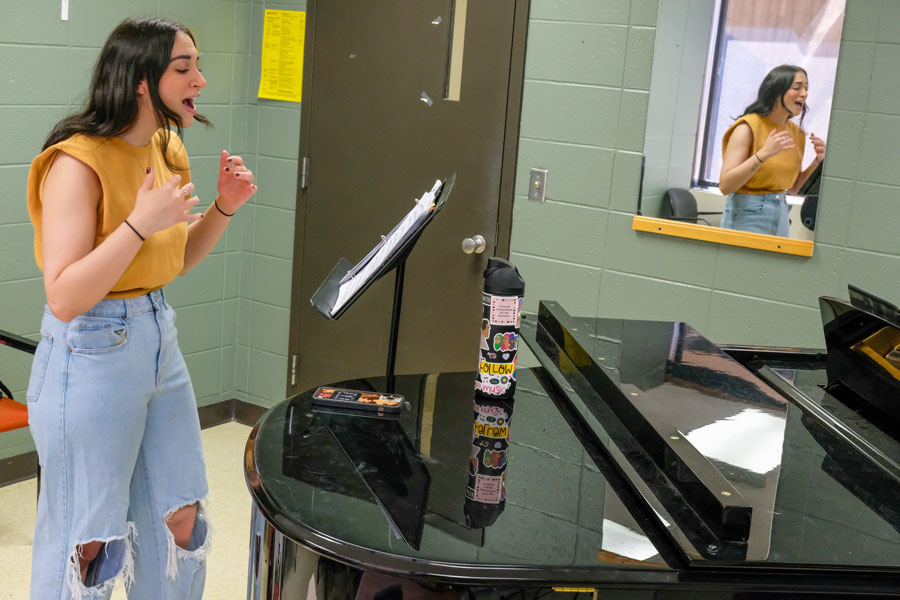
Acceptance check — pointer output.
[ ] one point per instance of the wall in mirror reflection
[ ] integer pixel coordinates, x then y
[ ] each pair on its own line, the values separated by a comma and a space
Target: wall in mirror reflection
696, 93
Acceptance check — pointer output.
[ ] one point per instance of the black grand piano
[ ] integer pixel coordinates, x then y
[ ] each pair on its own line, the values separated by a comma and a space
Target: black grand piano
642, 461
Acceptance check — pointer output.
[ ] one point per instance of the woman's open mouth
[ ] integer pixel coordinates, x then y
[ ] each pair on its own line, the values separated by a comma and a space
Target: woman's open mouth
189, 105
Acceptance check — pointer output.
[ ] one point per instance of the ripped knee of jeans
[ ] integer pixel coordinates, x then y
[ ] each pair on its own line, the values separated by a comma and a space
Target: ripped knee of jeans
198, 543
114, 562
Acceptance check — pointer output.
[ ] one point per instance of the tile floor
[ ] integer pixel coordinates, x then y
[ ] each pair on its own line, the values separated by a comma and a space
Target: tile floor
229, 508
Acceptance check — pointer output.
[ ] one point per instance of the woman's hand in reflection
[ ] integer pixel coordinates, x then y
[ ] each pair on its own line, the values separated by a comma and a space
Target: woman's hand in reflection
776, 143
819, 146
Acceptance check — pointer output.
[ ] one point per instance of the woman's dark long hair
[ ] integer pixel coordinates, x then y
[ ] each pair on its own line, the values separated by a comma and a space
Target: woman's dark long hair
137, 50
773, 88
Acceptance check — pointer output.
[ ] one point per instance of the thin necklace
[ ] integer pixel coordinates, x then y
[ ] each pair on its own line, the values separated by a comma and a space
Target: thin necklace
134, 154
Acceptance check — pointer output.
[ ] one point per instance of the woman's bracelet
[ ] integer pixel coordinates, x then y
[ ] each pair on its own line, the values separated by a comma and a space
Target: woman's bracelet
758, 158
216, 202
143, 239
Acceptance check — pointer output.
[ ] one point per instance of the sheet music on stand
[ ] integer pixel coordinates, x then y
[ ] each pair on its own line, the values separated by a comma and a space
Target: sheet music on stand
346, 282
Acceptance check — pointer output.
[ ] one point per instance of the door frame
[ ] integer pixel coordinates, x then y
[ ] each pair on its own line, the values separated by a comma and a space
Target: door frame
507, 169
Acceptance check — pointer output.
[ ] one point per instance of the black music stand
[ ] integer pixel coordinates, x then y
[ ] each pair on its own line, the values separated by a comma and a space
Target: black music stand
323, 300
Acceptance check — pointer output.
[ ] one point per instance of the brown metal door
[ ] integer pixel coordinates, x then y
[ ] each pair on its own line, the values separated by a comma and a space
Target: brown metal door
378, 130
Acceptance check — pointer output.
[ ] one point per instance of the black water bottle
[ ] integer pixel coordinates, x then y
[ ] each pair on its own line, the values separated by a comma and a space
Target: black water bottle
504, 292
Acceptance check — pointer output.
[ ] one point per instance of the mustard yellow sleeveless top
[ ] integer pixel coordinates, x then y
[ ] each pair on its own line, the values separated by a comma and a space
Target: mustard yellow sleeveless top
778, 173
121, 169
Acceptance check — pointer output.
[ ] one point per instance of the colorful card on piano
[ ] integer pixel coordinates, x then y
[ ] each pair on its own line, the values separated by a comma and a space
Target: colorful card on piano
357, 400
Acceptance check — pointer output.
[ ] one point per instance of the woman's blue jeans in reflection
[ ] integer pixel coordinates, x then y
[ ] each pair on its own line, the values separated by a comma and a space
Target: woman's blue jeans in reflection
762, 213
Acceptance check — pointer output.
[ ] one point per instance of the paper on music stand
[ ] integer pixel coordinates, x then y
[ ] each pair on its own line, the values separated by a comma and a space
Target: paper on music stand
384, 250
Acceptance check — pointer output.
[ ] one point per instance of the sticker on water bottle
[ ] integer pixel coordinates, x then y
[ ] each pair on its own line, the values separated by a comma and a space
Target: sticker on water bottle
488, 489
504, 310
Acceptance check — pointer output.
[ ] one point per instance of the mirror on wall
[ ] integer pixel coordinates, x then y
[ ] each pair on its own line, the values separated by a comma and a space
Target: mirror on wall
710, 59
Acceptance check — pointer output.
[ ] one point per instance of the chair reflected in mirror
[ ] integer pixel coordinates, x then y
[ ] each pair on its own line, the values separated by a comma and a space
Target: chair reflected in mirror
810, 191
682, 206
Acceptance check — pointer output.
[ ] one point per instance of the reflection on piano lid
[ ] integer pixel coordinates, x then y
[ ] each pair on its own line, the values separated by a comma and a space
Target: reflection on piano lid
702, 433
659, 393
386, 467
846, 468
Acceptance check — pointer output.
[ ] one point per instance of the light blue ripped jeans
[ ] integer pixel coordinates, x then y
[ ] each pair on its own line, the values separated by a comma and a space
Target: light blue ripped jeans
113, 416
763, 213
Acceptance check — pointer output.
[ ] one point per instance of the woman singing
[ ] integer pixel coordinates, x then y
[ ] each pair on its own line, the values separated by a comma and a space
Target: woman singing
110, 402
763, 153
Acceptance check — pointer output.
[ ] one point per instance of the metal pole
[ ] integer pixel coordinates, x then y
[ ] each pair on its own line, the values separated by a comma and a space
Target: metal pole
395, 325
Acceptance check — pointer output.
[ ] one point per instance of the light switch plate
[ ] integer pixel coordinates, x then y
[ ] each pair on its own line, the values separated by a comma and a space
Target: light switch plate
537, 185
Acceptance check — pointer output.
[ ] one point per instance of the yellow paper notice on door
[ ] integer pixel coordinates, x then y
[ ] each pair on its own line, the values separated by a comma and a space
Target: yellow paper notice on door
281, 73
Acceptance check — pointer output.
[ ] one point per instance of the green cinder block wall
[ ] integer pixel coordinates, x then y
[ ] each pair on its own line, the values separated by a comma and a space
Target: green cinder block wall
585, 122
45, 66
584, 113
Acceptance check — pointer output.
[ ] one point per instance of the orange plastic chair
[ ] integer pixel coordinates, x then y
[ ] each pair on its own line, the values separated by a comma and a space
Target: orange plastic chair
14, 415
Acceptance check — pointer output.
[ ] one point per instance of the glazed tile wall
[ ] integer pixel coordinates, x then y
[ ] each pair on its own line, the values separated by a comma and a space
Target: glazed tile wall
265, 291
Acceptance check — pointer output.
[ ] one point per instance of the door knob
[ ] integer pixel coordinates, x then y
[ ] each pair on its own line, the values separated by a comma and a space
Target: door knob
474, 244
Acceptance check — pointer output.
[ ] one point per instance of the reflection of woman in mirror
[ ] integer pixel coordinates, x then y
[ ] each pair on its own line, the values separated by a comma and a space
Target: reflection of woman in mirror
763, 153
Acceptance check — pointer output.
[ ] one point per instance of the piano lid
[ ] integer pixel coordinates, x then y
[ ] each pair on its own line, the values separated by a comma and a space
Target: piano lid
863, 341
705, 436
697, 431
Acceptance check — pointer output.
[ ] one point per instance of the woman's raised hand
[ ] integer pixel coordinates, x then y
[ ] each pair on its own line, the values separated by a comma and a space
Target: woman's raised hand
159, 208
819, 146
235, 182
776, 143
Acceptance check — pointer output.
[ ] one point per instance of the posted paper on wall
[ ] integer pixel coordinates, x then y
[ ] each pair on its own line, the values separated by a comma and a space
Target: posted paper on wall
281, 73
